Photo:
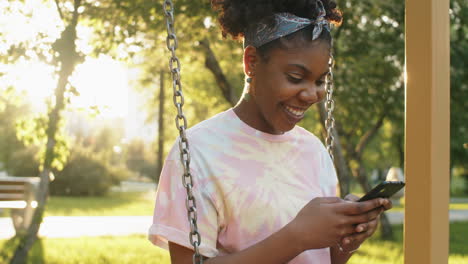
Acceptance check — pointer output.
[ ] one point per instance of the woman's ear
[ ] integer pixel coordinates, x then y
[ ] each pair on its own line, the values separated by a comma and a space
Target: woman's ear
250, 60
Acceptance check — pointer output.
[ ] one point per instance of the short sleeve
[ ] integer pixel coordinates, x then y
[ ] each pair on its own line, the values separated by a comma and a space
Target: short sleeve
170, 222
329, 179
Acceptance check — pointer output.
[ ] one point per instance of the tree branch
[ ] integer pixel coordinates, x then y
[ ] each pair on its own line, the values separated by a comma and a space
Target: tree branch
212, 64
364, 141
74, 20
59, 9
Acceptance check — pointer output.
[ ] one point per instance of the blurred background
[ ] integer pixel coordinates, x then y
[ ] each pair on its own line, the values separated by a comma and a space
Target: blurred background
86, 100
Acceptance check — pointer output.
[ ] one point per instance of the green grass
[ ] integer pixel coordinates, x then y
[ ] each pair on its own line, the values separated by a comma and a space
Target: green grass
92, 250
377, 251
114, 204
137, 249
453, 206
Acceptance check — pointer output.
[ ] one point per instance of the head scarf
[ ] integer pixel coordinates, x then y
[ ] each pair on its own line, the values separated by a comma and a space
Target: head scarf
285, 24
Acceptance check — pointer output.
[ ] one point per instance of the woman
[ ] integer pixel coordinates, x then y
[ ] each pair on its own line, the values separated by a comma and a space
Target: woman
265, 188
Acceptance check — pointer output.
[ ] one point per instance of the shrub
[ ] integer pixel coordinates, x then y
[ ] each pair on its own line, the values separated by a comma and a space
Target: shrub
465, 183
85, 174
23, 162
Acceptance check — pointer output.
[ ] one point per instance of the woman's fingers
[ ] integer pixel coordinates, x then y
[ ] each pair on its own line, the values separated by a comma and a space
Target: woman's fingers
351, 197
387, 204
358, 208
365, 217
361, 236
361, 228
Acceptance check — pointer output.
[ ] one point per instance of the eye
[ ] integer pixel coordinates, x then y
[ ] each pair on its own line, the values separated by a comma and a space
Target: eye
294, 79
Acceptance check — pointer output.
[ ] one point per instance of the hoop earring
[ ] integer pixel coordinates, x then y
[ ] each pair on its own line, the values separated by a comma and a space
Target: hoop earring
247, 92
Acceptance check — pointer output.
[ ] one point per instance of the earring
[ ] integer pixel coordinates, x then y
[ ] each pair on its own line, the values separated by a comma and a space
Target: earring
247, 92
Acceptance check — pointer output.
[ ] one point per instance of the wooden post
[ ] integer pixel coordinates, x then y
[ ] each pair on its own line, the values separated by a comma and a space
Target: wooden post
427, 131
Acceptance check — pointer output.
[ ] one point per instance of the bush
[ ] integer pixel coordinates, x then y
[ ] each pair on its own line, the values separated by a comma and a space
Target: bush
23, 162
85, 174
465, 183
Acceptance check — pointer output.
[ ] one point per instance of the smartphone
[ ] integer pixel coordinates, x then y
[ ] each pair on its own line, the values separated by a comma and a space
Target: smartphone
384, 190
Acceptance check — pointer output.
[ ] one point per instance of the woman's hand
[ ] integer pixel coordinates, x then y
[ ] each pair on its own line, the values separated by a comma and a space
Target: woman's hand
364, 230
326, 222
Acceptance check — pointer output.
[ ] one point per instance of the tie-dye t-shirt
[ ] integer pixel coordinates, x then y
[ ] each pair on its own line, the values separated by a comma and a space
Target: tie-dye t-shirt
248, 185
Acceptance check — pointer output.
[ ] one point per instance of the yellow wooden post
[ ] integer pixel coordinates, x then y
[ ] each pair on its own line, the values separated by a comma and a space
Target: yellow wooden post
427, 132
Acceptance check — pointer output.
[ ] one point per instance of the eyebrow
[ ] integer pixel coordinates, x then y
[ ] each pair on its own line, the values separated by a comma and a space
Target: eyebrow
304, 68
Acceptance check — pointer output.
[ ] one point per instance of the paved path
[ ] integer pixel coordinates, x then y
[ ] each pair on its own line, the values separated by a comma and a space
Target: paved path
77, 226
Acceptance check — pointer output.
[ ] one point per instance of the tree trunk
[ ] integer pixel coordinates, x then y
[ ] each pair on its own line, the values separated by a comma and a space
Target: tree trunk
341, 165
161, 125
212, 64
386, 230
65, 46
361, 175
401, 150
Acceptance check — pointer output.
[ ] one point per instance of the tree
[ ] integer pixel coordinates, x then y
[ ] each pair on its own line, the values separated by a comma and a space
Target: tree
459, 85
67, 58
161, 124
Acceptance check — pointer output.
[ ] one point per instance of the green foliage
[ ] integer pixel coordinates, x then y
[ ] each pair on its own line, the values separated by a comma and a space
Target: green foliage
85, 174
369, 53
17, 159
33, 131
459, 84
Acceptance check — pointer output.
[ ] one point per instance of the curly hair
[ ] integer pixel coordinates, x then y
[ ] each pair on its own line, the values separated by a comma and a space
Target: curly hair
236, 15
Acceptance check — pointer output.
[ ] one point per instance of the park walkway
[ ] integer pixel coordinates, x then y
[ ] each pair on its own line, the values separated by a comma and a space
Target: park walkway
78, 226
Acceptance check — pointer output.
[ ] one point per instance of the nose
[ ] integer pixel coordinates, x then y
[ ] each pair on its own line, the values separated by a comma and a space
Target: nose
312, 94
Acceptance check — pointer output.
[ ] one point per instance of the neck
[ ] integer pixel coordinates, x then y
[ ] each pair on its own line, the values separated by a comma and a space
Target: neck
248, 112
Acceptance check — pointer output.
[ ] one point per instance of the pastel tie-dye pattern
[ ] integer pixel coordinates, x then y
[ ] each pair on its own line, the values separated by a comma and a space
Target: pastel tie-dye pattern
248, 185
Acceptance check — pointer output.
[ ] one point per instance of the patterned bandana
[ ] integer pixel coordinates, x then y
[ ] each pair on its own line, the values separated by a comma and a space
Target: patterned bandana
285, 24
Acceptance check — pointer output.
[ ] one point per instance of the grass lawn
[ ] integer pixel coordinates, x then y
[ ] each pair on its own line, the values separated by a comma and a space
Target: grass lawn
114, 204
453, 206
137, 249
376, 251
90, 250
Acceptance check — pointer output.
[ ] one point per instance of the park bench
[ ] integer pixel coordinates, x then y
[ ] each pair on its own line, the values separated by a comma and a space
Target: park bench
18, 194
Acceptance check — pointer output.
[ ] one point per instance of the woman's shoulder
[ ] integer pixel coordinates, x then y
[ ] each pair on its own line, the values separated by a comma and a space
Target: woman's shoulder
203, 135
213, 124
309, 137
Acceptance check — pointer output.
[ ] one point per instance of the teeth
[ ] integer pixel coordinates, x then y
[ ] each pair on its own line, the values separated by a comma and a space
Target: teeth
294, 111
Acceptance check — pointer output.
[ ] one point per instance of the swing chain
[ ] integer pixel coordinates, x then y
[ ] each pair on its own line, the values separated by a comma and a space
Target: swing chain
329, 107
181, 124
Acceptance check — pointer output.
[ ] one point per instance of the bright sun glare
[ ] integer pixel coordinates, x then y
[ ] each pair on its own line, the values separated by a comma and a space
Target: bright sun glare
102, 82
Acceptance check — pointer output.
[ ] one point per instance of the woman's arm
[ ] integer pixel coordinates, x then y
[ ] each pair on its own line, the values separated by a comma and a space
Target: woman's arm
322, 223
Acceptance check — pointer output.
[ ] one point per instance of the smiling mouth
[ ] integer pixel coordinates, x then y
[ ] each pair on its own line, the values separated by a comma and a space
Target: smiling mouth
294, 111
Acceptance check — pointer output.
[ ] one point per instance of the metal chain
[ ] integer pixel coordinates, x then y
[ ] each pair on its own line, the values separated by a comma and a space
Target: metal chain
181, 124
329, 107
